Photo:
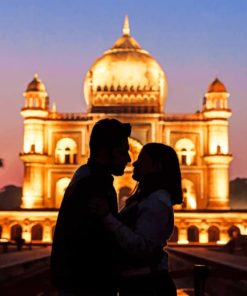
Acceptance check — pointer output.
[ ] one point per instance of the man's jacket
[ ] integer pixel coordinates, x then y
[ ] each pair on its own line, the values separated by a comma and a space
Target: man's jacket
83, 253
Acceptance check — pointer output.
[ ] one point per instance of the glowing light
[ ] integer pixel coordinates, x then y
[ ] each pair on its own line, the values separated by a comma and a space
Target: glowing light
34, 113
218, 135
191, 201
203, 237
183, 242
189, 196
33, 136
221, 242
28, 201
47, 235
3, 240
26, 235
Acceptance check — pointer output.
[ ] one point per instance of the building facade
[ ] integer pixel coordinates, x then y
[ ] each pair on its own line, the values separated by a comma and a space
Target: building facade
127, 83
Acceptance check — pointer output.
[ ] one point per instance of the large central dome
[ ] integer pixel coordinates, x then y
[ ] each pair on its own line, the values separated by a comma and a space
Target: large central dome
125, 79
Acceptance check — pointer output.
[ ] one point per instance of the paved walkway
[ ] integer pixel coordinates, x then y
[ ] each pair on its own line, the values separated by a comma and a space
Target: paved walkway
230, 260
14, 258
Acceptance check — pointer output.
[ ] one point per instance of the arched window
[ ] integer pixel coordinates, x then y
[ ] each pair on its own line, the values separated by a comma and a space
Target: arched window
61, 186
189, 195
37, 232
213, 234
193, 234
174, 236
186, 151
16, 232
66, 151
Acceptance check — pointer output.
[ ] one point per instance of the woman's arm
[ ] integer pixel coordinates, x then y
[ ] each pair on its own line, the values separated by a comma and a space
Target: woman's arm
153, 227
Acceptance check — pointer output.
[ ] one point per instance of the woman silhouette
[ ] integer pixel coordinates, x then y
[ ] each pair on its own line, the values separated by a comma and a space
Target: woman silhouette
144, 225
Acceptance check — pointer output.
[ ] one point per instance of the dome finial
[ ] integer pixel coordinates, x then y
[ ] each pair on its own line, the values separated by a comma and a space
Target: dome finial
126, 26
36, 76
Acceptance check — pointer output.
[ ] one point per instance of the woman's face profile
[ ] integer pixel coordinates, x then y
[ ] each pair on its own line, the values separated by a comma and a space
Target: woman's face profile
142, 166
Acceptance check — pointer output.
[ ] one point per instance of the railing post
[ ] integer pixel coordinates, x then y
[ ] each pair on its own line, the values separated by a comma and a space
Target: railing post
200, 274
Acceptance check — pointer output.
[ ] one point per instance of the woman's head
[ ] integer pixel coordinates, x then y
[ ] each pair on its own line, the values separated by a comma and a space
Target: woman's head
158, 165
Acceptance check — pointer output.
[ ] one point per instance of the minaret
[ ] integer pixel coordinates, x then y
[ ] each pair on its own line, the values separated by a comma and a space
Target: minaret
35, 112
216, 114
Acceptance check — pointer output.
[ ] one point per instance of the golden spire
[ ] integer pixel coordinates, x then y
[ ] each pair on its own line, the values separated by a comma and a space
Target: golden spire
126, 26
36, 76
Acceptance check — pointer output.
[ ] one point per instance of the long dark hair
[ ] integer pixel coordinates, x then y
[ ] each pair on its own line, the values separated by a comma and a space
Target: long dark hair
168, 175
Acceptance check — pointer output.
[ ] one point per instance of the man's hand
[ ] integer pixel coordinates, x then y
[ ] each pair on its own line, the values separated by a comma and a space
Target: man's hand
98, 206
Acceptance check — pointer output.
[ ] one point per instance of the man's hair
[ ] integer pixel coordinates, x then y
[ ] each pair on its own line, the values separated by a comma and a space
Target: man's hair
108, 133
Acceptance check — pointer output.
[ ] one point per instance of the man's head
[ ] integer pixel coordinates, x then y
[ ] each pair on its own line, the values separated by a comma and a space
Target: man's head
109, 144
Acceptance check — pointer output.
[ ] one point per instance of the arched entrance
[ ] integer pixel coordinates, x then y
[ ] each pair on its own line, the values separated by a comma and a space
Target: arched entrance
61, 186
37, 233
193, 234
213, 234
16, 232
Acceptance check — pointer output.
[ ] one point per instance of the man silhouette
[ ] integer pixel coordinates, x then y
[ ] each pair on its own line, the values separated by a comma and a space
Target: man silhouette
83, 254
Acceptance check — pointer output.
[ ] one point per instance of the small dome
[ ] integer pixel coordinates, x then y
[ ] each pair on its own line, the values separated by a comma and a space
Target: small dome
216, 86
36, 85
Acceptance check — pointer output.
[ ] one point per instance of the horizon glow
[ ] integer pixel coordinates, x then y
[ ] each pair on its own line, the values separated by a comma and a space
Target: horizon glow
193, 41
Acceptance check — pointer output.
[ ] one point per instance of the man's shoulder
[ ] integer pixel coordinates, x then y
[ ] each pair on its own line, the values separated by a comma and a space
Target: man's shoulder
81, 173
84, 177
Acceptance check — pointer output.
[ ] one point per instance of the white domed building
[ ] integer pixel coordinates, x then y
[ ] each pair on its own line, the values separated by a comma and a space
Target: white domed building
127, 83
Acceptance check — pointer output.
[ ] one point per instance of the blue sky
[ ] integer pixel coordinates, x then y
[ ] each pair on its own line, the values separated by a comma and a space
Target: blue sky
194, 41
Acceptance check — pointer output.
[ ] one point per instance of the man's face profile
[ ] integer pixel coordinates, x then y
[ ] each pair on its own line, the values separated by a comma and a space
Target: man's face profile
120, 158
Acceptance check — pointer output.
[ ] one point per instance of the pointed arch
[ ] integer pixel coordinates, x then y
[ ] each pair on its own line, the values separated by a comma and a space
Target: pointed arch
185, 149
66, 151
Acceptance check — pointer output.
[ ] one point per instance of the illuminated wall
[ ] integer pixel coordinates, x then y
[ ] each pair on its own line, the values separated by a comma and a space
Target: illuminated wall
127, 83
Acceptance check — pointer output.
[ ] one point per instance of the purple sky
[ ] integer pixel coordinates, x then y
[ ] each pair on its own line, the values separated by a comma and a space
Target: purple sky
194, 41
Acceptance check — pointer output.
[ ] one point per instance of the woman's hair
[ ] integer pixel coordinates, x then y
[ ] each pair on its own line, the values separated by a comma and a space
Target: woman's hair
168, 175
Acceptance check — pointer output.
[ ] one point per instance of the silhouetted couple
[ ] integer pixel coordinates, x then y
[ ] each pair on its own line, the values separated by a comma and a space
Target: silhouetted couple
98, 251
